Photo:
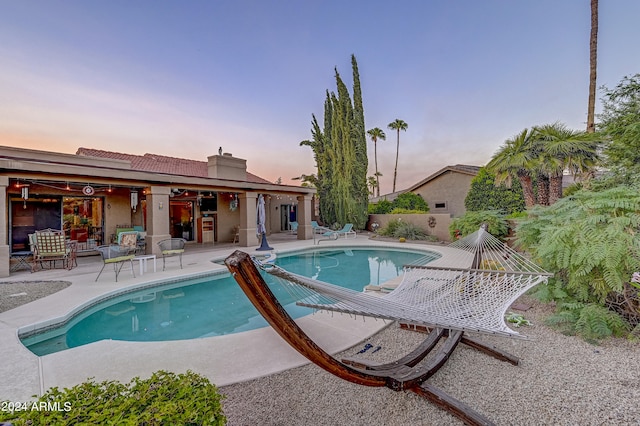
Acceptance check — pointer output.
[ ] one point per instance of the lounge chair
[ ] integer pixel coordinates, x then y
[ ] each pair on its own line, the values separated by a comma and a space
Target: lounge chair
317, 229
116, 255
172, 247
346, 230
469, 293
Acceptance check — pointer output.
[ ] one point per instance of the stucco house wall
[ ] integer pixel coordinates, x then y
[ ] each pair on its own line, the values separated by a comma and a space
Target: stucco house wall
444, 191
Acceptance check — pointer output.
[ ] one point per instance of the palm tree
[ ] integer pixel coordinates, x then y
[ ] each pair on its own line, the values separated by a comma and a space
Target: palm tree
375, 134
593, 60
564, 149
372, 182
515, 159
397, 125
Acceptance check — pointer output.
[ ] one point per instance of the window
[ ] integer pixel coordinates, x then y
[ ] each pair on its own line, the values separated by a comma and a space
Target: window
441, 205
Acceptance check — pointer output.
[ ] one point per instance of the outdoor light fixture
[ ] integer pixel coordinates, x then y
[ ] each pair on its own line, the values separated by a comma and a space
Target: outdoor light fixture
134, 201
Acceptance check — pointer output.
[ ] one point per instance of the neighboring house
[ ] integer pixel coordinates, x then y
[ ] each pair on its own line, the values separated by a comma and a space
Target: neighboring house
444, 191
93, 193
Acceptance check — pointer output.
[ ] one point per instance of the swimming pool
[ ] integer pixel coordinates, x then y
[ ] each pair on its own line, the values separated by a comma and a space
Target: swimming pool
215, 305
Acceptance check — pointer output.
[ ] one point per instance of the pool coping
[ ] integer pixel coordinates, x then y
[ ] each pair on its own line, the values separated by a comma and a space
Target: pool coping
223, 359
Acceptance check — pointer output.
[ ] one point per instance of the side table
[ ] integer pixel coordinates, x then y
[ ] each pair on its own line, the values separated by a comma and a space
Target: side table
142, 261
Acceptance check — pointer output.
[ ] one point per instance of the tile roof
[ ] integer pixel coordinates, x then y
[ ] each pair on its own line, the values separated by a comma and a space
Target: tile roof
161, 164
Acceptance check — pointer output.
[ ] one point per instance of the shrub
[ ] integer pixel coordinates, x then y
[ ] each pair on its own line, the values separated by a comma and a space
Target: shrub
590, 241
164, 398
405, 203
485, 195
470, 222
381, 207
399, 210
403, 229
411, 201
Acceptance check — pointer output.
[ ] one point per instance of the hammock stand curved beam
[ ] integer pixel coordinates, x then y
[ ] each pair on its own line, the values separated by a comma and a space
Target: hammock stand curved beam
403, 374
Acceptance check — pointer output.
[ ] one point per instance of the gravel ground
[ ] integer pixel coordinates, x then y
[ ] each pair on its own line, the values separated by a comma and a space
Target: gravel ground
561, 380
14, 294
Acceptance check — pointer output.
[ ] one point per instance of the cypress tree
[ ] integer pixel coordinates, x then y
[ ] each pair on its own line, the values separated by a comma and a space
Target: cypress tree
340, 152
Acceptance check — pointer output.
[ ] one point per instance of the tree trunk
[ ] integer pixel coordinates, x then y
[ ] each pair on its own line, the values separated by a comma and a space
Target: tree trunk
395, 171
375, 156
527, 190
593, 59
555, 188
543, 189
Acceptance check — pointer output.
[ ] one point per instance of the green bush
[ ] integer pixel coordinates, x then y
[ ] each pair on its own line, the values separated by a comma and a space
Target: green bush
399, 210
405, 203
381, 207
410, 201
470, 222
590, 241
485, 195
403, 229
163, 399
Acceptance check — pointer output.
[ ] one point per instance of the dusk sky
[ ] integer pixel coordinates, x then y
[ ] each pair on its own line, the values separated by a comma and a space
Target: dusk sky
182, 78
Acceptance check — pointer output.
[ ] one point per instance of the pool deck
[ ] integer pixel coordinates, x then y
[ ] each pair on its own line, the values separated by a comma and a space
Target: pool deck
223, 359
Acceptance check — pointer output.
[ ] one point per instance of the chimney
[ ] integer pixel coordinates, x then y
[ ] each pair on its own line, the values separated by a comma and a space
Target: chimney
226, 166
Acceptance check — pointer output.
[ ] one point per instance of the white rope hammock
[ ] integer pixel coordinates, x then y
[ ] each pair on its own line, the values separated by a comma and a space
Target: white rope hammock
470, 289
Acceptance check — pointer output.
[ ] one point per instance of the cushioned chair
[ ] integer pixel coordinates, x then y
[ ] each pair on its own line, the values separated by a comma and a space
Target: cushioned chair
51, 246
172, 247
117, 256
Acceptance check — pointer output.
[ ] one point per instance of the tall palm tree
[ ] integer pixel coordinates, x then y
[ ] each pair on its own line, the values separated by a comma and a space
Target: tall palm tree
375, 134
565, 149
593, 60
397, 125
515, 159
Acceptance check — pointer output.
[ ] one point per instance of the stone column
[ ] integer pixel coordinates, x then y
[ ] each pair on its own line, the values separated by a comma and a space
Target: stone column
5, 257
305, 231
157, 217
248, 219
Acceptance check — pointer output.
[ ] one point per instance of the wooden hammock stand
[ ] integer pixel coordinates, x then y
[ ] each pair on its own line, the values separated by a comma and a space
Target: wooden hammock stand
402, 374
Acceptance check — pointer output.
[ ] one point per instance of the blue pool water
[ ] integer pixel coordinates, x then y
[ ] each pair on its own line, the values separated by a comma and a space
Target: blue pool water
215, 305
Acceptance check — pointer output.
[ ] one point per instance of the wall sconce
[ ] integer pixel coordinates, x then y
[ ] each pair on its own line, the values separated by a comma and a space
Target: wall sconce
160, 205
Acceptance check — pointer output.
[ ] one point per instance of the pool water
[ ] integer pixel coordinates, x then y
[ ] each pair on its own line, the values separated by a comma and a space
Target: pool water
215, 305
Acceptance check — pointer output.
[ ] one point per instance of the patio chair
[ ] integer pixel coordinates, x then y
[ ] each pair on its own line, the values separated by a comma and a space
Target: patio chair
116, 255
129, 240
236, 234
293, 227
50, 245
334, 235
317, 229
172, 247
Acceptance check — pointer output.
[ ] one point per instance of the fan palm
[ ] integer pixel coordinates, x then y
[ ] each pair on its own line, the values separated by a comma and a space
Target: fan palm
397, 125
516, 159
375, 134
564, 149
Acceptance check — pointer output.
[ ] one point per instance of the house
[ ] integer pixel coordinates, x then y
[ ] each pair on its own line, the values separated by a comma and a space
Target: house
444, 190
93, 193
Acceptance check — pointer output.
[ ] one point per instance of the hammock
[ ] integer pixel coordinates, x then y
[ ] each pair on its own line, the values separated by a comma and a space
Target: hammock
469, 289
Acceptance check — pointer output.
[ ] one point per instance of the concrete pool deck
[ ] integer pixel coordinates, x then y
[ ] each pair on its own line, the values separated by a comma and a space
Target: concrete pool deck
223, 359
